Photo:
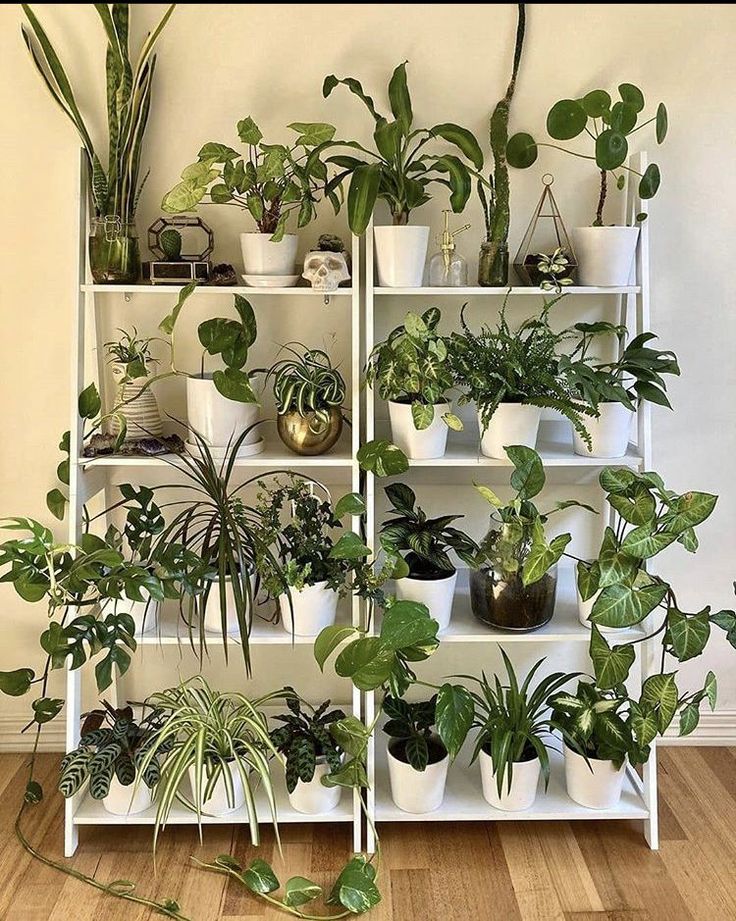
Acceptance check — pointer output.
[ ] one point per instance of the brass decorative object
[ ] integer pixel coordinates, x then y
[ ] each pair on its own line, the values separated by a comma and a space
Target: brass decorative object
528, 256
308, 436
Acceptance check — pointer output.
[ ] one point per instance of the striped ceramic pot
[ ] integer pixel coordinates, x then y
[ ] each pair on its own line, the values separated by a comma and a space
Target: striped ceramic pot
140, 410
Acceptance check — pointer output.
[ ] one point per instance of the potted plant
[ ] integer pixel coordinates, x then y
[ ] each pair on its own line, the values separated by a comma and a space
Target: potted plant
511, 375
270, 183
114, 255
309, 394
399, 171
512, 742
135, 405
108, 760
311, 568
410, 370
426, 544
605, 252
551, 271
612, 390
417, 757
515, 586
311, 754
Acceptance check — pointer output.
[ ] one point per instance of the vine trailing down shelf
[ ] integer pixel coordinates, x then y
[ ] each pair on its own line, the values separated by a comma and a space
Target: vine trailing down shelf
463, 798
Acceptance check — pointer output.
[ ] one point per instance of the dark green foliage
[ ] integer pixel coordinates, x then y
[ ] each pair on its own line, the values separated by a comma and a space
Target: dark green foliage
307, 383
305, 737
411, 724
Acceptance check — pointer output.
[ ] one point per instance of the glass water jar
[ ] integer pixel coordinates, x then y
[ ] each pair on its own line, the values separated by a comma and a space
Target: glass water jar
114, 253
493, 265
504, 601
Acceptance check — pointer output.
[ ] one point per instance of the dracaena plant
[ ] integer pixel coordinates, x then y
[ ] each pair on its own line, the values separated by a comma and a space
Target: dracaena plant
609, 125
411, 366
401, 168
505, 365
271, 181
306, 382
425, 543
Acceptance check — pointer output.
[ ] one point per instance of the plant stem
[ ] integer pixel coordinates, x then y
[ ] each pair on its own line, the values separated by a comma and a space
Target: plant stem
601, 200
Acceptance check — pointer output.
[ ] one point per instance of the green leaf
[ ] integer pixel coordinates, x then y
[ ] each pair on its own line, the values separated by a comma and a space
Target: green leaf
349, 547
218, 153
406, 624
689, 719
234, 385
637, 506
354, 888
624, 606
649, 182
595, 103
461, 138
328, 641
643, 722
46, 708
350, 504
352, 774
299, 891
632, 96
260, 878
522, 151
616, 479
89, 402
400, 98
382, 458
33, 792
169, 322
661, 122
711, 689
687, 634
644, 543
16, 683
588, 579
454, 716
368, 662
489, 495
611, 149
611, 666
249, 132
350, 735
453, 422
660, 691
422, 415
528, 477
542, 556
312, 134
566, 119
362, 194
56, 503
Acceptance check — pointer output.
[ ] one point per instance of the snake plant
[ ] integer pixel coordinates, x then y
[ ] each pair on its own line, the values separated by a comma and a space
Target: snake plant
308, 384
114, 191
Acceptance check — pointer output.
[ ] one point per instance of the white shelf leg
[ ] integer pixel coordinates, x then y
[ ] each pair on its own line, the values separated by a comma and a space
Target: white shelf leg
651, 825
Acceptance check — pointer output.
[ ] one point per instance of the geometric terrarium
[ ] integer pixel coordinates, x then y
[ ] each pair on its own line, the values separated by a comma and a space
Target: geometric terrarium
181, 246
546, 258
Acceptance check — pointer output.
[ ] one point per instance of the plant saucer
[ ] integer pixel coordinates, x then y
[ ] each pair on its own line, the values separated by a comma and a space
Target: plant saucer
220, 453
271, 281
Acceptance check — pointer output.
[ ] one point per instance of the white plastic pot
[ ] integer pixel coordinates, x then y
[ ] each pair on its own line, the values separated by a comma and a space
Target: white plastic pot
212, 611
524, 783
263, 257
217, 804
511, 424
129, 800
436, 594
417, 791
218, 420
415, 443
144, 614
609, 433
401, 252
597, 786
312, 798
605, 255
312, 608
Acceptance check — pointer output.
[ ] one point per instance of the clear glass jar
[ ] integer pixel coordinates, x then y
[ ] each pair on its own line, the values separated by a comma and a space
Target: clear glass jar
448, 269
506, 603
114, 253
493, 265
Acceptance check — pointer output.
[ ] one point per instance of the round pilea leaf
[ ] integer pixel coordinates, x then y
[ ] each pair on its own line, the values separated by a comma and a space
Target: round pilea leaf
661, 122
620, 182
611, 149
521, 150
596, 103
566, 119
623, 117
649, 182
632, 95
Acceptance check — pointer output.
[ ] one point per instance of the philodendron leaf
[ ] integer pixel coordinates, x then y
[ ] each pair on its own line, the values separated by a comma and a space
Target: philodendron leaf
407, 623
16, 683
454, 716
689, 510
643, 722
352, 775
660, 693
355, 888
528, 477
711, 689
542, 556
382, 458
489, 495
46, 708
350, 504
616, 479
56, 503
644, 543
234, 385
689, 719
453, 422
299, 891
367, 662
328, 641
611, 665
687, 634
351, 735
623, 606
89, 402
312, 134
260, 878
637, 505
349, 547
169, 322
249, 132
588, 578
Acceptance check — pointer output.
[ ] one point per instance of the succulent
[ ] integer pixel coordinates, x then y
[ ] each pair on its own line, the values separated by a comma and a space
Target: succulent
330, 243
304, 737
170, 242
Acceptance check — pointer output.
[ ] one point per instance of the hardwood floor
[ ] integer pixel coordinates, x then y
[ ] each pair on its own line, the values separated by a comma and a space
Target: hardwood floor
507, 871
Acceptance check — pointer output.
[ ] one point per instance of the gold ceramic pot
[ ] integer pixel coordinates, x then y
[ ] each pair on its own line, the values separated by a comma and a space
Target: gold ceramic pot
305, 435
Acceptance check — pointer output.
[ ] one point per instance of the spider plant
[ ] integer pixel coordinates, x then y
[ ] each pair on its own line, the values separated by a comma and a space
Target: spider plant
130, 355
307, 383
210, 732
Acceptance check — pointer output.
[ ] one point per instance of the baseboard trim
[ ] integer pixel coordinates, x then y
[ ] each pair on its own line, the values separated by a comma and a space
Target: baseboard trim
53, 736
717, 728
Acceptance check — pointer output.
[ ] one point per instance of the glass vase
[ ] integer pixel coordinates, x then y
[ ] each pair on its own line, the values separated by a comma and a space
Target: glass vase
506, 603
493, 265
114, 253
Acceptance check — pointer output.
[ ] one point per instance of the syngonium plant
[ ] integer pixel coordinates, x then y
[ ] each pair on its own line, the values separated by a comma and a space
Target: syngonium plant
609, 125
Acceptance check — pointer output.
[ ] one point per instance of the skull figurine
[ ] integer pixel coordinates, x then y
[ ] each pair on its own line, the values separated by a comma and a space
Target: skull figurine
325, 270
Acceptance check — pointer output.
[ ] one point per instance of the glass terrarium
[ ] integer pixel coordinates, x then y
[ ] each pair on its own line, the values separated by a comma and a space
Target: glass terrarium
545, 257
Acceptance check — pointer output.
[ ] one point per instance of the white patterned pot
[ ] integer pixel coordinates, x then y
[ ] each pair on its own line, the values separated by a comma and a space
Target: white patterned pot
216, 419
418, 444
312, 797
609, 433
213, 609
596, 784
417, 791
129, 800
524, 783
401, 252
605, 255
140, 409
511, 424
217, 803
261, 256
312, 608
436, 594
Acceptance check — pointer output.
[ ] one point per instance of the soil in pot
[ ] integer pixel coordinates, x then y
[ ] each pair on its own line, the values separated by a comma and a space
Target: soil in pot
508, 604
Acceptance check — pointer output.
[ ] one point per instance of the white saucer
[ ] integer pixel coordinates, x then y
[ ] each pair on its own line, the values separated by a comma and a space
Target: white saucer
271, 281
219, 453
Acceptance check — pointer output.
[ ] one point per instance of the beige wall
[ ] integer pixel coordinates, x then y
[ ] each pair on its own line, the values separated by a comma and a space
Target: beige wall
219, 63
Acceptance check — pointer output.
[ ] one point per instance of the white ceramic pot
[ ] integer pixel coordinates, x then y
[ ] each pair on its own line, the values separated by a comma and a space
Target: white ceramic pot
401, 252
263, 257
212, 611
417, 791
218, 803
313, 798
597, 786
218, 420
140, 409
436, 594
524, 782
129, 800
312, 608
144, 614
609, 433
605, 255
511, 424
415, 443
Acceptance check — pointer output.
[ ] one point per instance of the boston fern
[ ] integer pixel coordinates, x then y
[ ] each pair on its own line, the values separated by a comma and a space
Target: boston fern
305, 737
427, 542
307, 383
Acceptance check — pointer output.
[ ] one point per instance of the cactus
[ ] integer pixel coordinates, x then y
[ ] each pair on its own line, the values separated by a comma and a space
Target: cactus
170, 242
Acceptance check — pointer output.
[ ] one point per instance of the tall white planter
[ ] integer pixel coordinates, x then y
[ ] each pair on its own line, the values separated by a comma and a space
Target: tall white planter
130, 800
217, 803
417, 791
312, 798
436, 594
140, 409
218, 420
511, 424
312, 608
597, 786
212, 610
609, 433
263, 257
415, 443
605, 255
524, 783
145, 614
401, 252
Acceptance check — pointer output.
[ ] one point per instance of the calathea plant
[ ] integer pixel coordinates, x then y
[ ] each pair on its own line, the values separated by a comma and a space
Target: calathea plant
305, 737
410, 728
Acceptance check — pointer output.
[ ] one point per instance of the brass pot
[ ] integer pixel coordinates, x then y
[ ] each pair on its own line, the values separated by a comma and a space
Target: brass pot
306, 435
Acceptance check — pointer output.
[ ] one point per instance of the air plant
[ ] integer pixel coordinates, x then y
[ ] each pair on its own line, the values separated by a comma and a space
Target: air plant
308, 384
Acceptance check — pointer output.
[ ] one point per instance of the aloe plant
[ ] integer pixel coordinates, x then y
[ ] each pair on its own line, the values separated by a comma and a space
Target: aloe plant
114, 191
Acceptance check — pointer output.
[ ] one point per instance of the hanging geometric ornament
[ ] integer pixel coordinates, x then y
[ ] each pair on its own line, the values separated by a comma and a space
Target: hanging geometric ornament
546, 258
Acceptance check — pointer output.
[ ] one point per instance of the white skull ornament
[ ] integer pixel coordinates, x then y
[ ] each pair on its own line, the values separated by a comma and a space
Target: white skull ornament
325, 270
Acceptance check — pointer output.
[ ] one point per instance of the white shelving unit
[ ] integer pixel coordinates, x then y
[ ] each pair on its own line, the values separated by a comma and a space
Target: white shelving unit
463, 799
90, 477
